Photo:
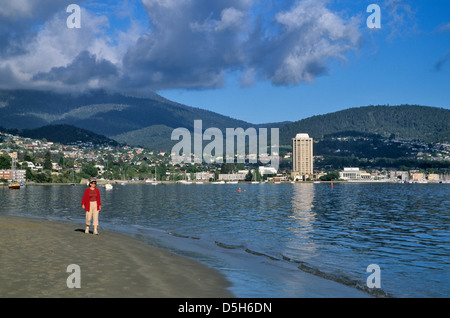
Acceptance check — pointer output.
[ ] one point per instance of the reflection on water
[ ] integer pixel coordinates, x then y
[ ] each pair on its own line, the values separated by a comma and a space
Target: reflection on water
339, 231
302, 212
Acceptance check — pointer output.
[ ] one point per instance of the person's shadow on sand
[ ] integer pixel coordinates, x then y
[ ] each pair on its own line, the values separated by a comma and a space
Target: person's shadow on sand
81, 230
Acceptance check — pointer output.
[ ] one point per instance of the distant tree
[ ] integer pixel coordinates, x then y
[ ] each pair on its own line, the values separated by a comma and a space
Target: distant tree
5, 162
161, 170
330, 176
90, 171
29, 158
42, 177
29, 175
48, 161
61, 161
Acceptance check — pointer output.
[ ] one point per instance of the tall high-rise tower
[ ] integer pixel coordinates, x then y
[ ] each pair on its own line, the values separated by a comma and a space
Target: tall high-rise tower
302, 155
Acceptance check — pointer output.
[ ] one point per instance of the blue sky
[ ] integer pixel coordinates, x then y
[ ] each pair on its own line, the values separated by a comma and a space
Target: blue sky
259, 61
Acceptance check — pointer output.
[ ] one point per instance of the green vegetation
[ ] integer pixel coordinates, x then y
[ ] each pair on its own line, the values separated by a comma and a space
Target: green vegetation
330, 176
5, 162
405, 122
64, 134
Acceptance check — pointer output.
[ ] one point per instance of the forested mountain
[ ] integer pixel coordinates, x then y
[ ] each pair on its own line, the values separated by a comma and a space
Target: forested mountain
150, 121
104, 113
407, 122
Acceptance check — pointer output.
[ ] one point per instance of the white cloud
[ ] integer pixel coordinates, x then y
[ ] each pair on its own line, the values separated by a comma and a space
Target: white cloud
310, 35
231, 18
190, 44
399, 15
16, 9
54, 47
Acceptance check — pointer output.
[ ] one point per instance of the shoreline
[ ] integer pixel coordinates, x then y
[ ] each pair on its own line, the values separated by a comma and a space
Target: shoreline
102, 183
36, 254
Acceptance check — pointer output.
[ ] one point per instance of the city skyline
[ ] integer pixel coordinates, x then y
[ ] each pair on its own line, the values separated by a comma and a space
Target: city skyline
75, 158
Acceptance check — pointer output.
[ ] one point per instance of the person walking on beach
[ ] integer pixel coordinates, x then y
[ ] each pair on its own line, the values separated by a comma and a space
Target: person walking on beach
92, 204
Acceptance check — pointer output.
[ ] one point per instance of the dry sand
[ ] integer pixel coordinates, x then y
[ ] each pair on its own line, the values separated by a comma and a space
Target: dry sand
35, 254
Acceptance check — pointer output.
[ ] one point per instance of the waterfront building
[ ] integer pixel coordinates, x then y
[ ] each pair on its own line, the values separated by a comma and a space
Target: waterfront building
433, 177
302, 157
418, 176
399, 176
354, 174
204, 176
232, 177
13, 175
267, 170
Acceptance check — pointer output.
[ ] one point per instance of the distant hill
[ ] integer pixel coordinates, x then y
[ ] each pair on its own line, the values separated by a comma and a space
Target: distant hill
64, 134
108, 114
407, 122
149, 121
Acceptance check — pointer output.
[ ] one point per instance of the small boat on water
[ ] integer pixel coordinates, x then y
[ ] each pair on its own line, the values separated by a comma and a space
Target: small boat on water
108, 186
14, 186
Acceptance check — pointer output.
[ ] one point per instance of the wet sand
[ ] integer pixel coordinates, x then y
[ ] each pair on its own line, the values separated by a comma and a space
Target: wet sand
35, 255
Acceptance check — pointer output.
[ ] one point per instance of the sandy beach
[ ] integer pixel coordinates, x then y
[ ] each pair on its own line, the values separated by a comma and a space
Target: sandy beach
35, 255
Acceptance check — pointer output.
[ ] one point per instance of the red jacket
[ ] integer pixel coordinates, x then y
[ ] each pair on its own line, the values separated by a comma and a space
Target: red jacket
87, 202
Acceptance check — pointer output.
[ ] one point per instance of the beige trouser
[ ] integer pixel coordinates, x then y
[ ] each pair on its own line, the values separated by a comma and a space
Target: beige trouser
92, 214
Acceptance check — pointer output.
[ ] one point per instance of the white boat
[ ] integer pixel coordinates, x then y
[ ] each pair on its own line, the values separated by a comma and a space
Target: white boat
151, 181
254, 181
232, 182
108, 186
218, 182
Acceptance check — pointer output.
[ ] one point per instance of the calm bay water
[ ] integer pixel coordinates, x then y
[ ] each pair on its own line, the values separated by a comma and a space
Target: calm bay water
331, 232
